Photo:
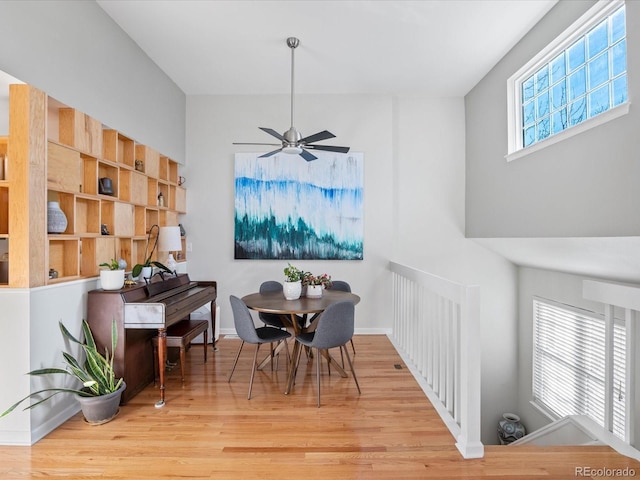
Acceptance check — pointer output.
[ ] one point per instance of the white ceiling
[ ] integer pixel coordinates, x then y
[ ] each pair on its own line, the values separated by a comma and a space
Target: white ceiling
435, 47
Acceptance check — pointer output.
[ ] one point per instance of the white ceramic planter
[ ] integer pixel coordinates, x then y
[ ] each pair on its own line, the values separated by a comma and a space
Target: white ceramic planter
145, 273
112, 279
292, 290
314, 291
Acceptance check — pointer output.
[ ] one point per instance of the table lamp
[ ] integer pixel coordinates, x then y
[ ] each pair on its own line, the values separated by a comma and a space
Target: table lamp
169, 241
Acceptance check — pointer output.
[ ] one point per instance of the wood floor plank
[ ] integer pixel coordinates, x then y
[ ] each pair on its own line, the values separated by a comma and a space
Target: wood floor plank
208, 429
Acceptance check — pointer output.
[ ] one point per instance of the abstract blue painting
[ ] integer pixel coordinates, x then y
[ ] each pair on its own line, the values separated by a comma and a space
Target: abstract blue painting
289, 209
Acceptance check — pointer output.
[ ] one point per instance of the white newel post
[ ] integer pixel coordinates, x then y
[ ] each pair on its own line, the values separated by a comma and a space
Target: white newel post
468, 442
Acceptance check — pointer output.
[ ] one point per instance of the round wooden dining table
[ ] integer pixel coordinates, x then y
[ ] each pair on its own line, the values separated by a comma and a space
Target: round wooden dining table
290, 310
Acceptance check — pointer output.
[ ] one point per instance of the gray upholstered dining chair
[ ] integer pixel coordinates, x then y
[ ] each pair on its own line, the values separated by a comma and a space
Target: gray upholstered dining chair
343, 286
247, 331
271, 286
334, 329
271, 319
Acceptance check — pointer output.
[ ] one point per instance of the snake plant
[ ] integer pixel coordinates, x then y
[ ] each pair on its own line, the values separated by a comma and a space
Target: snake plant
96, 373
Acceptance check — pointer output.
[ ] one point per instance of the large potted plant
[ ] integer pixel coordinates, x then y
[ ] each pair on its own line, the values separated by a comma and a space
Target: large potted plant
100, 393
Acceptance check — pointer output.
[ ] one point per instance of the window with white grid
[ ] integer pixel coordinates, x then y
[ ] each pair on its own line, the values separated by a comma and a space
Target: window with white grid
581, 75
569, 363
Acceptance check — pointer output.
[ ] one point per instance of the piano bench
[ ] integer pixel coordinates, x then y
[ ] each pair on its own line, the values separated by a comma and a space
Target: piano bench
180, 335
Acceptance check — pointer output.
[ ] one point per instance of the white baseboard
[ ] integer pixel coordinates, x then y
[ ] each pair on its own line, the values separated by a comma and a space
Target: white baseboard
26, 439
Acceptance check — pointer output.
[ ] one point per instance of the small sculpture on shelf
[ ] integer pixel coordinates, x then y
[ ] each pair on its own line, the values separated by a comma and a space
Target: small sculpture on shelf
105, 186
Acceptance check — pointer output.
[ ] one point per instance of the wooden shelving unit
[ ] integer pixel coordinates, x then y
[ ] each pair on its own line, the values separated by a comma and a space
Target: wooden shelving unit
4, 212
57, 153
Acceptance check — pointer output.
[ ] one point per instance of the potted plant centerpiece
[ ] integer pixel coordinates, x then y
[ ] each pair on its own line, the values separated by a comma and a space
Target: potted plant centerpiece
111, 278
316, 283
100, 394
292, 287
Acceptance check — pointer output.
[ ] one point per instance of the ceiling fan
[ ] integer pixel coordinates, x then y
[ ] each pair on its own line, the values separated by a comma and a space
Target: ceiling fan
292, 140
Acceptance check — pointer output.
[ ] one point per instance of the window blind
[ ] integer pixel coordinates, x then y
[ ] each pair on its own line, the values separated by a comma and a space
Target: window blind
569, 363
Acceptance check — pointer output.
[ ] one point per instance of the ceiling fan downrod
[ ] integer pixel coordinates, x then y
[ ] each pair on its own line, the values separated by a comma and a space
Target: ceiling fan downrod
292, 136
292, 141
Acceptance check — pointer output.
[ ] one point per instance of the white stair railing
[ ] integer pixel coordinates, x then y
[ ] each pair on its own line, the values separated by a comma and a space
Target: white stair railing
626, 297
436, 329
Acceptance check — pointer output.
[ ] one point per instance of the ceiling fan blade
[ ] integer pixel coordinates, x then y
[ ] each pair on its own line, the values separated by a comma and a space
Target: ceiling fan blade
316, 137
308, 156
249, 143
270, 153
272, 132
329, 148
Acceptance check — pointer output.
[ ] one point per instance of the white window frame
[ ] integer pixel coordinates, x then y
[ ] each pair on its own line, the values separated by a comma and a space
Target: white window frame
618, 427
580, 27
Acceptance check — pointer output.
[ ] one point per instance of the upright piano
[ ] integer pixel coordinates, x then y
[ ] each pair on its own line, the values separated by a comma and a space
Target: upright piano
142, 312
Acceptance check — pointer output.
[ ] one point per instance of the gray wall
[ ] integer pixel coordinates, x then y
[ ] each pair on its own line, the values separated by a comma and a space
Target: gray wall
583, 186
74, 52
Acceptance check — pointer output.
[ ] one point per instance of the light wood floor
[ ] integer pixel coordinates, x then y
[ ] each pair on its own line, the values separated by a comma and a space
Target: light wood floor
209, 429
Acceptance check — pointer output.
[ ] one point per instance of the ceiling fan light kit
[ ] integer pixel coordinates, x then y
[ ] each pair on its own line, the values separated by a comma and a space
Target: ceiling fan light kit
292, 141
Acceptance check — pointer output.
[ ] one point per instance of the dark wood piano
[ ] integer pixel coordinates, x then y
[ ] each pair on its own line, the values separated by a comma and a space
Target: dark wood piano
142, 312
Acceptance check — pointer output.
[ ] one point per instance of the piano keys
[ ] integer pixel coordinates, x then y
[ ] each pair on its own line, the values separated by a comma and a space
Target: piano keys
142, 312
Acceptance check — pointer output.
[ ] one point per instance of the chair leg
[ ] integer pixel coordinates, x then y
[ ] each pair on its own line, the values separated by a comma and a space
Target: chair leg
346, 352
295, 366
253, 370
318, 361
272, 354
353, 347
235, 362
